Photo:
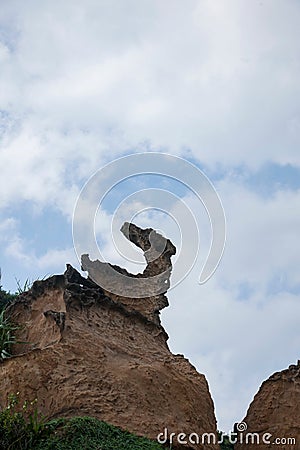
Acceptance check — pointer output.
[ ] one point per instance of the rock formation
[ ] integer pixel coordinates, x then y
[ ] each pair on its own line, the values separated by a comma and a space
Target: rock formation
275, 412
91, 351
145, 291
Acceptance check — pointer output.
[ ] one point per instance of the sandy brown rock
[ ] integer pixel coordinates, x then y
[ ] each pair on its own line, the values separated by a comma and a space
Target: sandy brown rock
89, 354
144, 291
276, 410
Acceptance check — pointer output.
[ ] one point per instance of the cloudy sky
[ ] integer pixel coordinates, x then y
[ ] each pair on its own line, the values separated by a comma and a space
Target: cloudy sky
214, 82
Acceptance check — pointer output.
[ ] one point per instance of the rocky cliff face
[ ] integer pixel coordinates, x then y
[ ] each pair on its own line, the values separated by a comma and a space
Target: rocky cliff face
275, 412
92, 351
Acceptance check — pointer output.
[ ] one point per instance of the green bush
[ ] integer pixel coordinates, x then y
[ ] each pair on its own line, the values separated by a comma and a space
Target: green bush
21, 430
5, 298
7, 335
226, 444
26, 429
87, 433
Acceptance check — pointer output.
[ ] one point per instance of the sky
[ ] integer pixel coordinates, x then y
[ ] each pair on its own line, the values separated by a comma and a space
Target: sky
215, 83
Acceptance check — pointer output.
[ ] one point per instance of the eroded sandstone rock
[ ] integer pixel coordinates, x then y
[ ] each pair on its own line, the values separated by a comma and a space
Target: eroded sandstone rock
274, 413
92, 352
145, 291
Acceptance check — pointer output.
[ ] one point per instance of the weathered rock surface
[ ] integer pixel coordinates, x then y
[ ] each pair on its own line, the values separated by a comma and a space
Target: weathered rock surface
91, 352
145, 291
276, 410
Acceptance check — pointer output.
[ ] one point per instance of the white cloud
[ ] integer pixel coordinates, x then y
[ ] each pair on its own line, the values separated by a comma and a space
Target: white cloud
242, 324
7, 225
21, 251
221, 80
235, 344
262, 235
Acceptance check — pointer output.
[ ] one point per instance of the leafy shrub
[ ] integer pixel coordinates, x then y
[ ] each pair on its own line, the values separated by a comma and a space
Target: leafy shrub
88, 433
7, 335
5, 297
7, 327
20, 430
26, 429
26, 286
226, 444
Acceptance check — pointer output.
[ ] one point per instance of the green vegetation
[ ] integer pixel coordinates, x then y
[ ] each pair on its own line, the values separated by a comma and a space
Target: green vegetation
20, 429
26, 286
7, 327
226, 444
26, 429
7, 335
90, 433
5, 297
